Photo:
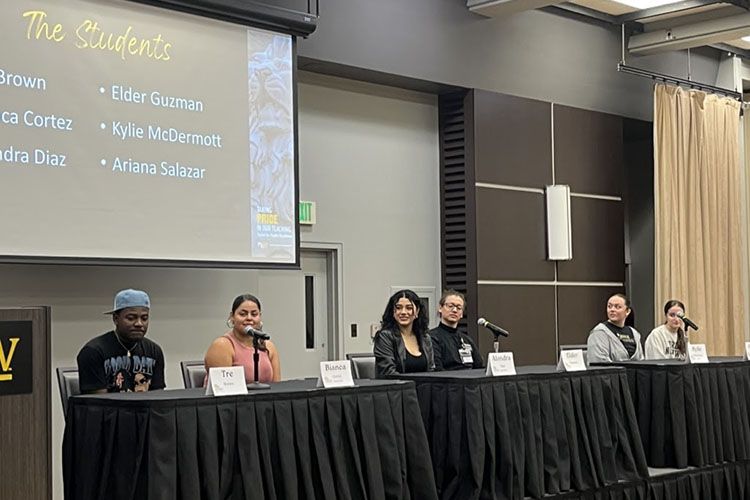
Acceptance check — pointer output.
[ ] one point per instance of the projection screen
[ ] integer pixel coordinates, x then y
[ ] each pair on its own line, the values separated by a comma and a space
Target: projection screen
130, 133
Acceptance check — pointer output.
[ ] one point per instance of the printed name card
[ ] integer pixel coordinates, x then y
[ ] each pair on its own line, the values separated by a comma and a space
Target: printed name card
227, 381
697, 353
571, 360
335, 374
500, 363
747, 351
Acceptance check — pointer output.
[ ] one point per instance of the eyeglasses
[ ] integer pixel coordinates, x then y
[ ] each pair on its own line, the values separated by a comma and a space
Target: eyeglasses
451, 307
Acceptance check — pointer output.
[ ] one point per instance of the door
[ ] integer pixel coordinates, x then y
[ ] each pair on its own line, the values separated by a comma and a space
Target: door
296, 310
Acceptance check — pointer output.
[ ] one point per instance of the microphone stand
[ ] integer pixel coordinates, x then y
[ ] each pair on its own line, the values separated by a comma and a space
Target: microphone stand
496, 342
256, 360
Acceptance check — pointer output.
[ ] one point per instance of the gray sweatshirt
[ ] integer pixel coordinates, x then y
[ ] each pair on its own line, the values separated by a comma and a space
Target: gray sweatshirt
603, 346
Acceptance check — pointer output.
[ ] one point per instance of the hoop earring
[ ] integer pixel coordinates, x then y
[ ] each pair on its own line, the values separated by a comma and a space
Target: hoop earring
230, 322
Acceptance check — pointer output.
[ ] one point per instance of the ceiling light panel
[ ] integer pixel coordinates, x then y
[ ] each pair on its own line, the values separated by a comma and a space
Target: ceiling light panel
645, 4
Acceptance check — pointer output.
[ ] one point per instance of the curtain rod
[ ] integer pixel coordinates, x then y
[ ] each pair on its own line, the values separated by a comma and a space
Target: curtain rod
678, 81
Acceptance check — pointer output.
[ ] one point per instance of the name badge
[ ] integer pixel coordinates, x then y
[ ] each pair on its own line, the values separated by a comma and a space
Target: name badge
335, 374
228, 381
465, 354
747, 351
571, 361
697, 353
500, 363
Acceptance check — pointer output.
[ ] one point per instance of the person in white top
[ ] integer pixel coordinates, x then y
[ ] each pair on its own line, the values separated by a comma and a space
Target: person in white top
668, 341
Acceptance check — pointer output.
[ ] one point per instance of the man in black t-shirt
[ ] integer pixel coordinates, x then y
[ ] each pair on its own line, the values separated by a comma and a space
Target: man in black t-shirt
454, 350
123, 360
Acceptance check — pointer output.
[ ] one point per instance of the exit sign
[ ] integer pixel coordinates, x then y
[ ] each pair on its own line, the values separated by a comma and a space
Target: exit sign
307, 212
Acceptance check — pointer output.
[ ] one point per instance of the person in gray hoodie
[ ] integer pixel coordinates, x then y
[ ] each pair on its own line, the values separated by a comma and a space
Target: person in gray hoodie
613, 340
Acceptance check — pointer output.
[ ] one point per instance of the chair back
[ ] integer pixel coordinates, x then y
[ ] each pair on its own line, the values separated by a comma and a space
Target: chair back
67, 379
363, 364
193, 373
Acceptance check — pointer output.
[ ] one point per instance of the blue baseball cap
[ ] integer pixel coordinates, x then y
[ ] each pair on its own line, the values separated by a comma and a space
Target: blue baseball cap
130, 298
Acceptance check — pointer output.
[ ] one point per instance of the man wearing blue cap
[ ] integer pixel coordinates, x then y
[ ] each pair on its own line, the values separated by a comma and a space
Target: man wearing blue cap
123, 360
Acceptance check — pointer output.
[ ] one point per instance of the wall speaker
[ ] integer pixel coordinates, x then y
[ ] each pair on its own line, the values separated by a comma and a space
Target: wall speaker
559, 233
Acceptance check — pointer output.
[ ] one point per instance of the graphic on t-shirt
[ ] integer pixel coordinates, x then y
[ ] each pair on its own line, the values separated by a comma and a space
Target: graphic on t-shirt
671, 349
126, 374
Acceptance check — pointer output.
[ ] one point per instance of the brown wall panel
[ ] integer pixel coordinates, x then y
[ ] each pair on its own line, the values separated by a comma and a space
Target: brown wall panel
598, 242
513, 141
508, 141
588, 151
528, 313
579, 309
511, 242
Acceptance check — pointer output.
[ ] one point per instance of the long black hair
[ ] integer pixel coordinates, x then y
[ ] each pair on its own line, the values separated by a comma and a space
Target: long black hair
421, 322
681, 344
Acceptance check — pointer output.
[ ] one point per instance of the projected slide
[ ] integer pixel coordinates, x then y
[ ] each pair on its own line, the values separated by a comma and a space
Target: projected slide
128, 131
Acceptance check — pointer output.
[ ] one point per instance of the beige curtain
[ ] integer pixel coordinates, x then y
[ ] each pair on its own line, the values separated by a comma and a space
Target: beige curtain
698, 240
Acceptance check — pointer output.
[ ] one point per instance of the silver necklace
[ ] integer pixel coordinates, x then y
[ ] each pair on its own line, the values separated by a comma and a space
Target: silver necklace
123, 345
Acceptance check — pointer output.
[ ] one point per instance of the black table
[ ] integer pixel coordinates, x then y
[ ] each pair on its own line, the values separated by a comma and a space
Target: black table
290, 442
539, 432
692, 415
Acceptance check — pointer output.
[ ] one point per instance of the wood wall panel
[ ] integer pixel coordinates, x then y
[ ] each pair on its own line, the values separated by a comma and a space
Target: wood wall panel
598, 242
528, 313
511, 236
513, 140
508, 142
579, 309
588, 151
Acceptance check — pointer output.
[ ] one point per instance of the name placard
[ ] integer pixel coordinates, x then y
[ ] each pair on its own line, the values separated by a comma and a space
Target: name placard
571, 360
226, 381
335, 374
747, 351
697, 353
500, 363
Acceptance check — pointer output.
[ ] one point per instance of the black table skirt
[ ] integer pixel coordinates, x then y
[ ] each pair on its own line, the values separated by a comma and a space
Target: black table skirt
290, 442
730, 481
534, 434
692, 415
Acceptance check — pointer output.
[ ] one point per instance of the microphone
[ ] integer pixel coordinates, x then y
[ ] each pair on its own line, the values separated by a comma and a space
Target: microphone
687, 322
494, 328
249, 330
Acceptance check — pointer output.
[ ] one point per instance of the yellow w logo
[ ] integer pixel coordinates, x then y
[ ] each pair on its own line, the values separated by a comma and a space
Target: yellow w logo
6, 360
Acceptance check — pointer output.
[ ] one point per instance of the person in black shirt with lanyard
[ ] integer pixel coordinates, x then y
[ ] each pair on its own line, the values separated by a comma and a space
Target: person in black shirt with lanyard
613, 340
454, 350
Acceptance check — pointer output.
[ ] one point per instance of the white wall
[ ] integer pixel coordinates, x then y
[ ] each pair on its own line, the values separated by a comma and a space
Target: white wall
368, 157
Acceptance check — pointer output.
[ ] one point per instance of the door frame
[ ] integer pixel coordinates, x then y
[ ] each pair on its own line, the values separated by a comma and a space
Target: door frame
334, 253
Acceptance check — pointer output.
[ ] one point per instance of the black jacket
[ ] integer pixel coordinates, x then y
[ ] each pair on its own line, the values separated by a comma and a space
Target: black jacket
390, 352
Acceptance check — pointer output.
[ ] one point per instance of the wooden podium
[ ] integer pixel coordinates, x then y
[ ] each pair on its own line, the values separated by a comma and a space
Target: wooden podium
25, 427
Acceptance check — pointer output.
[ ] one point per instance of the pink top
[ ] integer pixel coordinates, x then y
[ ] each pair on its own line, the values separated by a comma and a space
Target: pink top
243, 356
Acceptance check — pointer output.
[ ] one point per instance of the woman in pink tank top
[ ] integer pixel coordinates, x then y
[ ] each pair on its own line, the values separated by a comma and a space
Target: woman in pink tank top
235, 348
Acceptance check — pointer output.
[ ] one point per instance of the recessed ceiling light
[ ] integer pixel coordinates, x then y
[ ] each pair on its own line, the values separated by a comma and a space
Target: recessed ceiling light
646, 4
745, 39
